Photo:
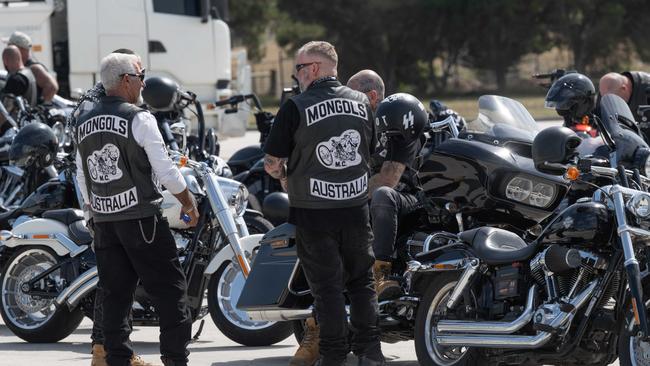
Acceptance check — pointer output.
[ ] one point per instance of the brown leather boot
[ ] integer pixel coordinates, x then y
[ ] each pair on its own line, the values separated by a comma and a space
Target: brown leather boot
307, 354
385, 288
138, 361
99, 356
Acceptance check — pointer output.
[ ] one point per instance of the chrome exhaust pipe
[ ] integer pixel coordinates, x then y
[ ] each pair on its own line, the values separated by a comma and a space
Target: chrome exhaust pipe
75, 285
464, 326
73, 300
279, 315
517, 341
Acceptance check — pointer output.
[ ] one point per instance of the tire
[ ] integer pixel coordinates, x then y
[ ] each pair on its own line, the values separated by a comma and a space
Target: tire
234, 323
439, 289
298, 330
257, 224
628, 344
35, 321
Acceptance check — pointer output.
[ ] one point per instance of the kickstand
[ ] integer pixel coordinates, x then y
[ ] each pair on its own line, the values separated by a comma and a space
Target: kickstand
198, 332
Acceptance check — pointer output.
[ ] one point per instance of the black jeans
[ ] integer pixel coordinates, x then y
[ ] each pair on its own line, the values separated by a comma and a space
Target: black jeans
386, 207
144, 249
333, 261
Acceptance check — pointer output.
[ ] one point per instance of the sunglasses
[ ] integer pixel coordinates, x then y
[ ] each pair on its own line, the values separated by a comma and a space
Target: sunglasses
140, 75
302, 66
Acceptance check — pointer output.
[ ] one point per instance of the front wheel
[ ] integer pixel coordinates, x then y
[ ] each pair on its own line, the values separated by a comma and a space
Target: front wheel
224, 289
633, 350
31, 318
432, 307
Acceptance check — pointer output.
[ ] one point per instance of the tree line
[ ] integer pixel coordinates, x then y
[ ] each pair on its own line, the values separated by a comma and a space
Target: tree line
422, 43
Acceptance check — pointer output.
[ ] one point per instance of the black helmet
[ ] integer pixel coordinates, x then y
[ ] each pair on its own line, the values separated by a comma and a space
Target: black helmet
573, 96
401, 114
160, 93
34, 144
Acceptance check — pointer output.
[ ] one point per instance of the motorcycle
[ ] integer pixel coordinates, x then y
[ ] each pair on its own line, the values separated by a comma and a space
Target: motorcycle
49, 273
572, 296
247, 164
483, 175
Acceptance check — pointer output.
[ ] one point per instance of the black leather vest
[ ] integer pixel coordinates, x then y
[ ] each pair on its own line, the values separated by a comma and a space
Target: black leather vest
640, 91
118, 173
328, 168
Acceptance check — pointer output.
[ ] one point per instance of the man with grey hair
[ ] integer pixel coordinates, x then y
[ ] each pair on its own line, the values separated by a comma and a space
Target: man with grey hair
121, 159
46, 84
369, 83
320, 142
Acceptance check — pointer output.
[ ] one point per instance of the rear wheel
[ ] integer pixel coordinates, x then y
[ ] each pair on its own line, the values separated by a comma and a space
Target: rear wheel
31, 318
433, 307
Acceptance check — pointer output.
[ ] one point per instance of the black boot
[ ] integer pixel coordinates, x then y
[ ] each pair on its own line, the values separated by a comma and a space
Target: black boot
325, 362
367, 361
169, 362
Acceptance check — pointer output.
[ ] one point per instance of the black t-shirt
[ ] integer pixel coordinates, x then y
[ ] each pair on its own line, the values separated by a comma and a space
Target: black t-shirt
280, 143
17, 84
400, 151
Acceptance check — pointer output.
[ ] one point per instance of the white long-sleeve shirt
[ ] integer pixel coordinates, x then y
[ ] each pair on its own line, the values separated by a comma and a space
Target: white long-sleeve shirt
147, 135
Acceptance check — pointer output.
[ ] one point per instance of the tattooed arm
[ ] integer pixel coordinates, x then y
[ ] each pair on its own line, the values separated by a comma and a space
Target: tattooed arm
388, 176
276, 168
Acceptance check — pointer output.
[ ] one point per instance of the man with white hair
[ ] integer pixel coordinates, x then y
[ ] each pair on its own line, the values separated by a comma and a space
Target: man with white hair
125, 200
47, 85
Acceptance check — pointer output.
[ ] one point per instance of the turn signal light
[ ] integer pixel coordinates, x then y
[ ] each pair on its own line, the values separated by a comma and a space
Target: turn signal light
444, 266
182, 161
572, 173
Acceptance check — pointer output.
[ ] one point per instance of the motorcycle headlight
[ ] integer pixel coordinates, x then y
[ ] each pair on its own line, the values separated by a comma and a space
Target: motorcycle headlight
518, 189
236, 195
639, 205
542, 195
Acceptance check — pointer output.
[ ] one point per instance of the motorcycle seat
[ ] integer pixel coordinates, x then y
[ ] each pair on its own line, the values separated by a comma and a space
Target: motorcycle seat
79, 233
67, 216
497, 246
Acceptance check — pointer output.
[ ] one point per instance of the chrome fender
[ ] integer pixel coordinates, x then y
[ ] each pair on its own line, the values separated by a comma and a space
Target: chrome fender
49, 233
226, 254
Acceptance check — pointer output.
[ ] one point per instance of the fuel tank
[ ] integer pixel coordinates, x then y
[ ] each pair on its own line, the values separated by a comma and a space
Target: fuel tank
581, 224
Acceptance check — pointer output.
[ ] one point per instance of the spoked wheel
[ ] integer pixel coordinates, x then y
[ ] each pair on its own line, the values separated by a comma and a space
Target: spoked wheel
433, 307
35, 319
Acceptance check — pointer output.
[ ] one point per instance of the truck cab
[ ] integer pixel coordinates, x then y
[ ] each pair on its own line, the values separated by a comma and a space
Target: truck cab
186, 40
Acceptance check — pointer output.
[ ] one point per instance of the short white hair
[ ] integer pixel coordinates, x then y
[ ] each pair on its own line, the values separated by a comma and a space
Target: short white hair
114, 66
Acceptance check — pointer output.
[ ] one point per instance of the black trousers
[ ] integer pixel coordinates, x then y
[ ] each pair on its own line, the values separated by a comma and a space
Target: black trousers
333, 261
141, 249
386, 207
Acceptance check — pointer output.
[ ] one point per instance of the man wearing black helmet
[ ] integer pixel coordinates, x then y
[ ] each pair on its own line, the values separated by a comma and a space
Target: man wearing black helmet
324, 135
573, 97
400, 122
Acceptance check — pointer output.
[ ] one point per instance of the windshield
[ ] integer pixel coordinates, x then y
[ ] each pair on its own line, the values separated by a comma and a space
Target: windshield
504, 119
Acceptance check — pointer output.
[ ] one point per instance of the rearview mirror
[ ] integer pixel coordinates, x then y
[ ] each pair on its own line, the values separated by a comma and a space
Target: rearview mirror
553, 147
178, 130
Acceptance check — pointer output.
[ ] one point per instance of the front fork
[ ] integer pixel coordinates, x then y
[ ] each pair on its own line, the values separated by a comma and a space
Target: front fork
631, 265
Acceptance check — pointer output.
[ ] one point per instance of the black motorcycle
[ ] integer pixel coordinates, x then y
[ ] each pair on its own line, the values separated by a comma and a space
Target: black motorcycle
247, 164
483, 175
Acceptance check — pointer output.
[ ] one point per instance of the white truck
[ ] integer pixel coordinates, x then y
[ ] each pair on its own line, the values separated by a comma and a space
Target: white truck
185, 40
